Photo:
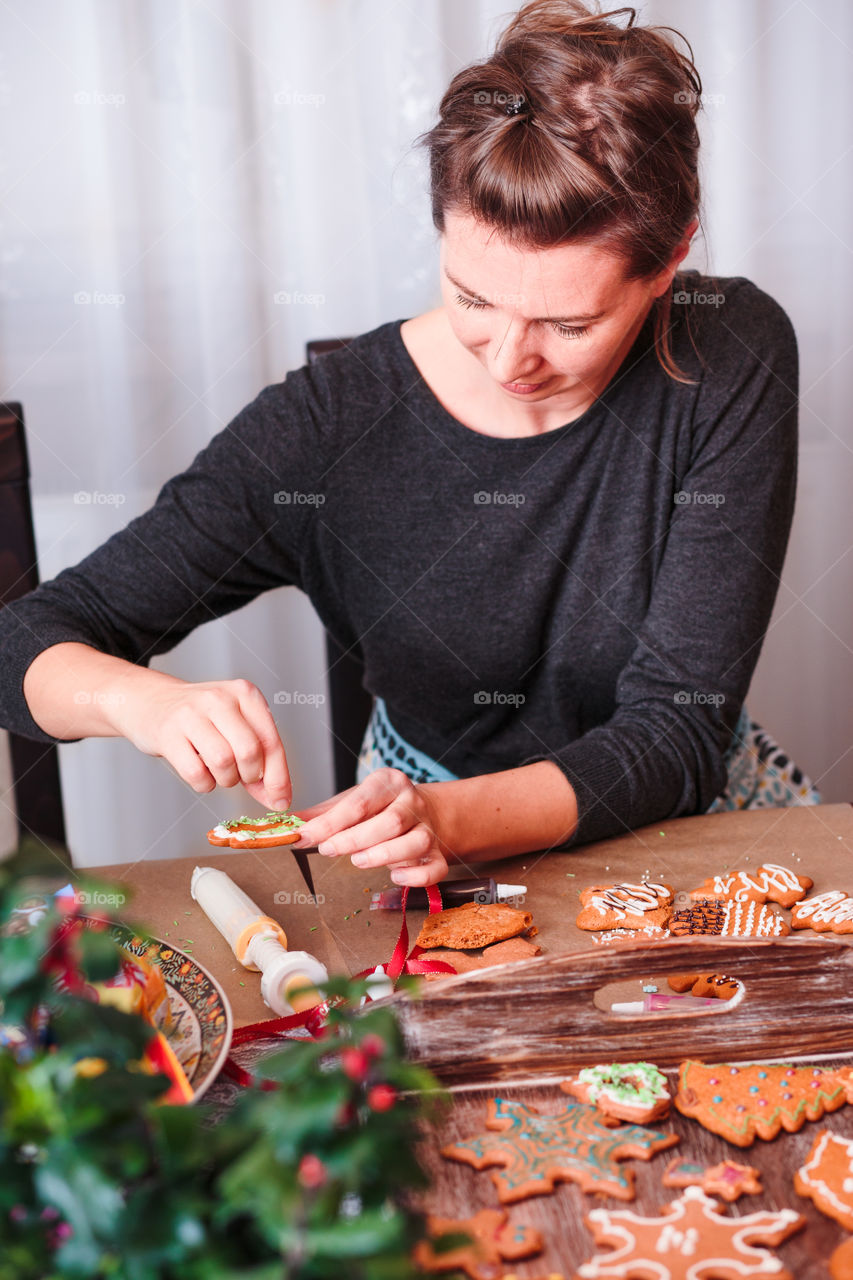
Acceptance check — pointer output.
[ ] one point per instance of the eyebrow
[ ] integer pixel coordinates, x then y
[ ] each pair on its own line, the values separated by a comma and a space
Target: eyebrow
545, 319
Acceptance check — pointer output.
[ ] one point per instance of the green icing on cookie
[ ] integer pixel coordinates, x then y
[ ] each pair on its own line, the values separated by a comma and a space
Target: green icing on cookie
634, 1083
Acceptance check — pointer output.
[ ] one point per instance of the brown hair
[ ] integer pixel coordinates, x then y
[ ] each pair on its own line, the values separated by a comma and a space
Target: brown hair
576, 129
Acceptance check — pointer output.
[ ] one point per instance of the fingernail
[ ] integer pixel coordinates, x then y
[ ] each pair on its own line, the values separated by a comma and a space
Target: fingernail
399, 877
359, 860
327, 848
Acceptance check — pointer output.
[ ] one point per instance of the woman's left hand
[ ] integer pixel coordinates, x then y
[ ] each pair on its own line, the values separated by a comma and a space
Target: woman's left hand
386, 820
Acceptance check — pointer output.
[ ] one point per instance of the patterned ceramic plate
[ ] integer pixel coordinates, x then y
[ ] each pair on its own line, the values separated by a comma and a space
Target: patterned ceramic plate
202, 1022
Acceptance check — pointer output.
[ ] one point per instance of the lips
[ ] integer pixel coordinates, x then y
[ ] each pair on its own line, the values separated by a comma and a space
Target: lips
522, 388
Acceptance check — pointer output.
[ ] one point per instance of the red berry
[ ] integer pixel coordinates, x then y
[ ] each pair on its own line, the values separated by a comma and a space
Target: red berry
382, 1097
374, 1046
355, 1064
312, 1172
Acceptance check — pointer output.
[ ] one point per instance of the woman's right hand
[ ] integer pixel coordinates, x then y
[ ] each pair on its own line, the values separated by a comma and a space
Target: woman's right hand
213, 734
216, 733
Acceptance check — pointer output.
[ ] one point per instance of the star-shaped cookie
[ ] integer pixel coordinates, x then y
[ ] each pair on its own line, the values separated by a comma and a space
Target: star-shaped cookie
691, 1240
537, 1151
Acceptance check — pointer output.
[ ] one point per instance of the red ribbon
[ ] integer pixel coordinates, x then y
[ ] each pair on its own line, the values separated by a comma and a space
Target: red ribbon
314, 1020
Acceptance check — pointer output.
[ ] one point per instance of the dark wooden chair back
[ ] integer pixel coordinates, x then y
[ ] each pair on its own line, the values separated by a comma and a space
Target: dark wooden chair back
349, 701
35, 765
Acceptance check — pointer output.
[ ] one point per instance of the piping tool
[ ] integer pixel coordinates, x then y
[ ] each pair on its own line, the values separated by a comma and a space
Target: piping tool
259, 943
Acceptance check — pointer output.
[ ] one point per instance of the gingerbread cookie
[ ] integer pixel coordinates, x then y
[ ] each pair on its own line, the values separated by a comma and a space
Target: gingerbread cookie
769, 883
756, 1101
702, 918
827, 1177
537, 1151
474, 924
275, 828
651, 933
832, 910
493, 1240
625, 906
841, 1261
752, 920
727, 1179
691, 1240
708, 986
633, 1091
511, 949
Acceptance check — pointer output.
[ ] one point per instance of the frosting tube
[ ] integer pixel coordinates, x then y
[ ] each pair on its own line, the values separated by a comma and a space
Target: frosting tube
258, 942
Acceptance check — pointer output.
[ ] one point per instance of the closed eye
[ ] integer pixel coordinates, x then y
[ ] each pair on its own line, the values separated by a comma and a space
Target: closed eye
563, 330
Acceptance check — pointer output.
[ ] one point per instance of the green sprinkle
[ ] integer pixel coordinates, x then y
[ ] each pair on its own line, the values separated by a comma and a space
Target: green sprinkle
174, 922
313, 927
242, 984
570, 875
661, 833
346, 917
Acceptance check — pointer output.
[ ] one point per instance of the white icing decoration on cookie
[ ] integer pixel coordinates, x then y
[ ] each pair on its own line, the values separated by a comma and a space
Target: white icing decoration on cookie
832, 907
635, 899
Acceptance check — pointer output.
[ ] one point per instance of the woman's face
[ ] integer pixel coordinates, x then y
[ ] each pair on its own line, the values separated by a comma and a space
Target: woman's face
543, 323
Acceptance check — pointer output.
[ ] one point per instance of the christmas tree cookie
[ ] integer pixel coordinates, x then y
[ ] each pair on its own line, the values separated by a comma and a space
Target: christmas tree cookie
748, 1102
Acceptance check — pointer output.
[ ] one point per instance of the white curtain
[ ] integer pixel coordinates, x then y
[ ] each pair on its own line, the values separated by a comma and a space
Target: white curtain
195, 188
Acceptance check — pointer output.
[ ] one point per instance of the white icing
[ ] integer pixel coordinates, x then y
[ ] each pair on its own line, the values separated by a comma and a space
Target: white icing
812, 1166
833, 907
634, 899
750, 920
767, 877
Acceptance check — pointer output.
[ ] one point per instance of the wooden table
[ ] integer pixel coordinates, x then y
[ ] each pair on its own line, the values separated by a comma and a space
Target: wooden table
343, 933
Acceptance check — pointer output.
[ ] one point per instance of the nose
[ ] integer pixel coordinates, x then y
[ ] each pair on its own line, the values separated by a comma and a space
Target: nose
514, 357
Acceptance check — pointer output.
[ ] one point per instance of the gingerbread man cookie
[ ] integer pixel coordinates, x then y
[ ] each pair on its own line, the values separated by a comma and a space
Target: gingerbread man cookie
275, 828
769, 883
691, 1240
708, 986
727, 1179
832, 910
625, 906
633, 1091
827, 1177
537, 1151
756, 1101
494, 1239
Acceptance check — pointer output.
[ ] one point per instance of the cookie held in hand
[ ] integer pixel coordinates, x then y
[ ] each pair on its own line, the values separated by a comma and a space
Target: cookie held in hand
474, 924
275, 828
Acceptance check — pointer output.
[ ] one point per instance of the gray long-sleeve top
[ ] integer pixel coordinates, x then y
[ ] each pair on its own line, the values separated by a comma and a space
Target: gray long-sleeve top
597, 595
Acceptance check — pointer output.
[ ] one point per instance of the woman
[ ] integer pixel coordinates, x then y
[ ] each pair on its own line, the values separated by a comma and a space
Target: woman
550, 515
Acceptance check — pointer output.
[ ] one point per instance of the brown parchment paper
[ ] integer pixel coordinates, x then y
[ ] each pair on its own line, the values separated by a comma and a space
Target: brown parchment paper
347, 937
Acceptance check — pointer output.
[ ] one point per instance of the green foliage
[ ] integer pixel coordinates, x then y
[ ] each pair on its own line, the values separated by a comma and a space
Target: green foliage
302, 1178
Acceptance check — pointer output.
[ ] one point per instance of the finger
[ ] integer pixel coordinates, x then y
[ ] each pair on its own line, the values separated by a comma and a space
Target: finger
355, 806
216, 753
275, 774
394, 821
189, 766
413, 848
229, 720
430, 871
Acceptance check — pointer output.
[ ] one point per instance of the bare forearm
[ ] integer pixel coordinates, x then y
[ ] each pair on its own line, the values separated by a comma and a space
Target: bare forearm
74, 691
498, 815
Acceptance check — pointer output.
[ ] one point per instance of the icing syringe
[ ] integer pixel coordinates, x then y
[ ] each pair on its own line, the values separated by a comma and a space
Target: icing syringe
259, 943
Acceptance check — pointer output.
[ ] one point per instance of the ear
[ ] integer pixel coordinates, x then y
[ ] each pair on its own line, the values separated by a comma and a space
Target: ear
664, 280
